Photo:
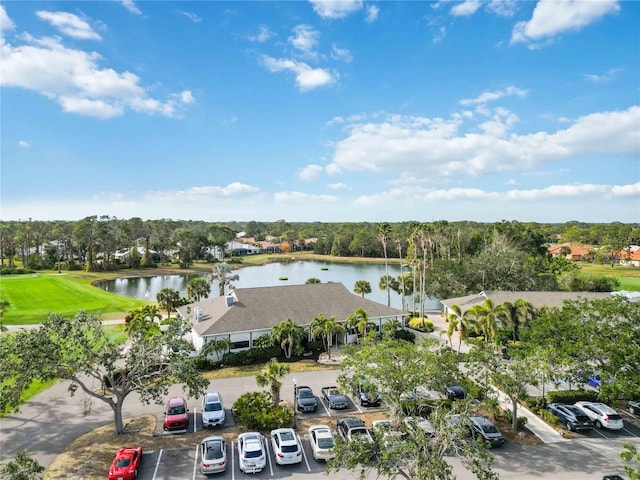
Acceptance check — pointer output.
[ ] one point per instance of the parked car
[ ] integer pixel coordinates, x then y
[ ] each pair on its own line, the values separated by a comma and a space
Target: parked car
385, 436
572, 417
352, 428
366, 395
252, 457
456, 392
420, 424
322, 442
213, 454
176, 414
125, 464
633, 406
486, 430
602, 415
286, 446
306, 399
213, 412
334, 398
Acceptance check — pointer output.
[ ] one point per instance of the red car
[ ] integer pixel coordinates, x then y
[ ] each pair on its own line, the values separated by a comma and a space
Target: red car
176, 414
125, 465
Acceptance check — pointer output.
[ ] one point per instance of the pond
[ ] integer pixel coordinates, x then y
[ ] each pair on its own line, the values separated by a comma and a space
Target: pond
269, 275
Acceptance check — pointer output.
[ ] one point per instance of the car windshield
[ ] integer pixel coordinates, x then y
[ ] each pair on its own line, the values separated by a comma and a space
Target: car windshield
212, 407
489, 428
176, 410
123, 462
325, 443
305, 394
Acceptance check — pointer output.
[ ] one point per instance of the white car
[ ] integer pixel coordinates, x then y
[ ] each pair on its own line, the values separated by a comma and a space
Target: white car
286, 446
252, 457
213, 452
212, 410
420, 424
322, 442
602, 415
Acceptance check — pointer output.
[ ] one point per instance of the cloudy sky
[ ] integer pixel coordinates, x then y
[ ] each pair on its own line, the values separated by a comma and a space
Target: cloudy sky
321, 111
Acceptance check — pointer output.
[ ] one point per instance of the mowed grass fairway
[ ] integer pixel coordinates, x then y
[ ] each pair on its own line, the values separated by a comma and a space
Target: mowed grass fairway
629, 277
33, 297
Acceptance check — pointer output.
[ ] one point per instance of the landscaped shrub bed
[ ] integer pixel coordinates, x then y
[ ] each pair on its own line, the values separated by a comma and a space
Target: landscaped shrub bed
421, 324
572, 396
255, 411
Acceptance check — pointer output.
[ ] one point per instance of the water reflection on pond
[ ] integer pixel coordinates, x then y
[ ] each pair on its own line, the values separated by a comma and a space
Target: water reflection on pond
296, 273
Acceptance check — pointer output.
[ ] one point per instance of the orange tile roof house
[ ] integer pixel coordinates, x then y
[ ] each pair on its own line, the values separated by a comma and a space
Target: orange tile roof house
249, 313
577, 252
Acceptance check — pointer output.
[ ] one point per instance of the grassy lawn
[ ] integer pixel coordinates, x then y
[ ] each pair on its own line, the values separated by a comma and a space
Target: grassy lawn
252, 370
33, 297
629, 277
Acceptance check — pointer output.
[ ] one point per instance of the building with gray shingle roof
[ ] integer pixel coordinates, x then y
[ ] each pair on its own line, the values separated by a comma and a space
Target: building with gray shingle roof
249, 313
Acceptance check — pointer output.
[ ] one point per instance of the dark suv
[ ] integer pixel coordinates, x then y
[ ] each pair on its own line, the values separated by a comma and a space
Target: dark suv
367, 396
571, 416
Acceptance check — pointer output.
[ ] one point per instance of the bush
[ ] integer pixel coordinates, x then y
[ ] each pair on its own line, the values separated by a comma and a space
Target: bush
255, 411
549, 417
250, 356
421, 324
572, 396
16, 271
405, 335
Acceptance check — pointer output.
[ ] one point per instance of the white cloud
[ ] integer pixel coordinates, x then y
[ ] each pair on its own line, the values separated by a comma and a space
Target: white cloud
307, 78
439, 34
6, 23
301, 197
341, 54
334, 9
131, 6
191, 16
74, 79
69, 24
626, 190
338, 186
194, 193
309, 173
372, 14
486, 97
465, 8
305, 39
432, 148
24, 144
602, 78
551, 18
504, 8
262, 36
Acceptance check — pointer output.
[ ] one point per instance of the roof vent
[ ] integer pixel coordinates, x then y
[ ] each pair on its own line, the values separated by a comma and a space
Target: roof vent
197, 312
230, 299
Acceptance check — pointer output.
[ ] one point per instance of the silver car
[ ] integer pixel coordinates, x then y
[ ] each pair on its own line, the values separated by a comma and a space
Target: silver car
212, 410
213, 453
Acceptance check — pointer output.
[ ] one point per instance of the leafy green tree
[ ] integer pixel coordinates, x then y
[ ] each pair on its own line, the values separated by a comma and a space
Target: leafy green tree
362, 287
79, 350
143, 320
289, 335
168, 299
221, 273
388, 283
385, 233
312, 280
515, 315
325, 328
271, 376
22, 467
198, 288
394, 368
631, 458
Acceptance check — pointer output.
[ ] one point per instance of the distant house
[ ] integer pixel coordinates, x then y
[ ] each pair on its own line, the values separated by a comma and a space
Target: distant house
578, 253
630, 257
249, 313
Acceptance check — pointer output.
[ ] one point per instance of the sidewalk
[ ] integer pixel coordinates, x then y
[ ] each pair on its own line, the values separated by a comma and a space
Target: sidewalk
535, 424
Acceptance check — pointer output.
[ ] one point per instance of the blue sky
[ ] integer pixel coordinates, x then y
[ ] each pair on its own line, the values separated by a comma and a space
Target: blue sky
321, 111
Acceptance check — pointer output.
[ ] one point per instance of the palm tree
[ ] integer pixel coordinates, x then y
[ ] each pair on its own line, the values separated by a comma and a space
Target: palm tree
143, 320
515, 315
198, 288
168, 299
388, 283
288, 335
326, 328
270, 376
485, 320
221, 273
359, 321
385, 230
362, 287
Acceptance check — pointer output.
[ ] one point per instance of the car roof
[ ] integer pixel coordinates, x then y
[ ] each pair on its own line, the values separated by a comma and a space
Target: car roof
480, 420
603, 407
287, 436
321, 430
212, 397
177, 401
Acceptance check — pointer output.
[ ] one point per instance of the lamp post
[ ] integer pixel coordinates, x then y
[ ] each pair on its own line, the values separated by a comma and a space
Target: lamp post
295, 384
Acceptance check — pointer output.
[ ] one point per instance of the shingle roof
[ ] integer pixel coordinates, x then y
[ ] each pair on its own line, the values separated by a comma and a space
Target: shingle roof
264, 307
537, 299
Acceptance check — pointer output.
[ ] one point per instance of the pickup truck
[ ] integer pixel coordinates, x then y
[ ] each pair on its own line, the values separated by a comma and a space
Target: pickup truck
335, 399
352, 428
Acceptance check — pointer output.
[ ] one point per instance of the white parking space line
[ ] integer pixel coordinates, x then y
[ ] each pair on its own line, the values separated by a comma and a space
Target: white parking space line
233, 462
155, 472
631, 433
195, 462
194, 420
325, 407
266, 444
304, 455
599, 432
354, 404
